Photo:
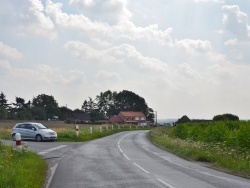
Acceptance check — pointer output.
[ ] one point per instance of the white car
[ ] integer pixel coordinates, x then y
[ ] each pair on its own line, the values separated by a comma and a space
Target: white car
33, 131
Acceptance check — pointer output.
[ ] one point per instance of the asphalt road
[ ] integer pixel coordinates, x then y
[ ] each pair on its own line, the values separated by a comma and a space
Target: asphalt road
126, 160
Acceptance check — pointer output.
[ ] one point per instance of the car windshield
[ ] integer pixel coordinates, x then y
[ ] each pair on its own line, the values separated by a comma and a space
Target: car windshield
40, 126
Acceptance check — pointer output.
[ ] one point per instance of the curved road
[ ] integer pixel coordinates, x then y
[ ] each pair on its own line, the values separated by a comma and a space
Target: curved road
128, 159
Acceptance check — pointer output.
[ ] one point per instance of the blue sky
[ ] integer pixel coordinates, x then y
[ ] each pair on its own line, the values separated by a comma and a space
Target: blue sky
185, 57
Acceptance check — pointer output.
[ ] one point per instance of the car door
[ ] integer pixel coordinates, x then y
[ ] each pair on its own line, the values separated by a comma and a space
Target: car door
22, 130
30, 131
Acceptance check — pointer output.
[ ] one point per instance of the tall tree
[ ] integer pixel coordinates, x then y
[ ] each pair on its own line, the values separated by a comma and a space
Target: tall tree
89, 106
3, 101
21, 110
105, 103
129, 101
46, 103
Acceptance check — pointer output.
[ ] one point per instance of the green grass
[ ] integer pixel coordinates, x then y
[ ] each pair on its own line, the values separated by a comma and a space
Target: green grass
69, 134
224, 148
21, 170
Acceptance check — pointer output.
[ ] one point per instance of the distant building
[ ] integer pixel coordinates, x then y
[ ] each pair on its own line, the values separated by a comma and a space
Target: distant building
129, 118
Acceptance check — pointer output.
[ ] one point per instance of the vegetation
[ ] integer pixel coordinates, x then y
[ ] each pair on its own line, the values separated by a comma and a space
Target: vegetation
66, 132
226, 145
17, 169
44, 107
226, 117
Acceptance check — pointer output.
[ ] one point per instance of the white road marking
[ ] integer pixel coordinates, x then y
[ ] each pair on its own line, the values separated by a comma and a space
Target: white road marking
141, 168
165, 183
51, 149
53, 170
126, 156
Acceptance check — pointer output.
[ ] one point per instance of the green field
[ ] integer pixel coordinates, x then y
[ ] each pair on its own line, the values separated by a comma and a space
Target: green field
223, 145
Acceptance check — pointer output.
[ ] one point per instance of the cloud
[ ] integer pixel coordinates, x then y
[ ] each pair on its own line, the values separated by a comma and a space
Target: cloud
209, 1
225, 71
124, 29
108, 10
107, 76
231, 42
9, 52
235, 21
124, 53
186, 70
36, 22
194, 46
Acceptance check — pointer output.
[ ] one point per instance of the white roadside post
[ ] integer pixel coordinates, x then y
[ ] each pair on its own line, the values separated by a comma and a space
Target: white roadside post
90, 130
18, 142
101, 129
77, 130
107, 128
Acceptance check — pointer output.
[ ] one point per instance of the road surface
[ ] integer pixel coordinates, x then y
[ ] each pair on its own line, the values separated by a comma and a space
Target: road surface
126, 160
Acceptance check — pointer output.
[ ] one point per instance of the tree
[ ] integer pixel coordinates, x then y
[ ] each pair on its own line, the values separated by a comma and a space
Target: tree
226, 117
3, 113
105, 103
129, 101
3, 101
89, 106
46, 103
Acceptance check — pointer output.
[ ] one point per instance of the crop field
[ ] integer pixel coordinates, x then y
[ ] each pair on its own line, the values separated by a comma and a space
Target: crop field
223, 145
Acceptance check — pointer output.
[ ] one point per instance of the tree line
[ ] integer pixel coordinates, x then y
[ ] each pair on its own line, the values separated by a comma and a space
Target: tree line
45, 107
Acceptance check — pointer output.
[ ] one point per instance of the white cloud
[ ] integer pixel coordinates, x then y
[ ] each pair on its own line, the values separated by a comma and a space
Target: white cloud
209, 1
235, 21
9, 52
188, 71
194, 46
231, 42
124, 53
107, 76
224, 71
108, 10
125, 29
36, 22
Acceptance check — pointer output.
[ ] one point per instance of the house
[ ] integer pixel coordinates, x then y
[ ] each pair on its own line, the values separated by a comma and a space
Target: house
129, 118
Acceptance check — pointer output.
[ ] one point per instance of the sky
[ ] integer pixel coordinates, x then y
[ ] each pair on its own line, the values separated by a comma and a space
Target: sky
184, 57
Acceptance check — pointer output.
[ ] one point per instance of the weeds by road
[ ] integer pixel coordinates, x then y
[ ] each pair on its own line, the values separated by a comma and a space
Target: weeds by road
224, 145
20, 169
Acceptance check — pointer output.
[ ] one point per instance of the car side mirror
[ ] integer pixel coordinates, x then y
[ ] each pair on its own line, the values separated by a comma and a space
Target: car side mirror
33, 128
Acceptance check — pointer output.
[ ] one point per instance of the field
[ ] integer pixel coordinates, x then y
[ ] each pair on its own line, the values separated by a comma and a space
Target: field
222, 145
66, 132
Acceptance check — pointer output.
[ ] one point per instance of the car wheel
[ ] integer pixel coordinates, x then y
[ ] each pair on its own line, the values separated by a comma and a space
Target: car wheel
39, 138
14, 137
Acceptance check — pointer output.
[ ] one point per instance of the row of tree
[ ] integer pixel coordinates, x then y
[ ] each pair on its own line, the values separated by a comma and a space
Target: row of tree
44, 107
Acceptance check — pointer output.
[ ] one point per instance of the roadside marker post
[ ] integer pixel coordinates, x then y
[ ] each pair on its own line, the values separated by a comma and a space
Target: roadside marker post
77, 130
101, 129
90, 130
18, 142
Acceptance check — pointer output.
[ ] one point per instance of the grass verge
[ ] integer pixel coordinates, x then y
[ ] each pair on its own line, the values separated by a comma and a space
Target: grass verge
21, 170
226, 158
85, 134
